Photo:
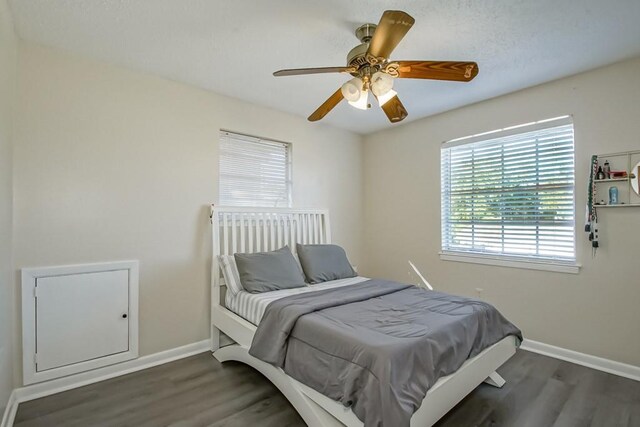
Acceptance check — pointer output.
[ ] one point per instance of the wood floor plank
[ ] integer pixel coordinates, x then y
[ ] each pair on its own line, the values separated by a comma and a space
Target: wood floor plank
128, 395
610, 412
479, 404
114, 390
546, 406
507, 410
266, 413
199, 391
579, 408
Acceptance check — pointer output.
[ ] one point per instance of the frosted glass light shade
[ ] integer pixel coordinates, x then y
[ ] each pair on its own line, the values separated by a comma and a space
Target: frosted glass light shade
362, 102
381, 83
352, 90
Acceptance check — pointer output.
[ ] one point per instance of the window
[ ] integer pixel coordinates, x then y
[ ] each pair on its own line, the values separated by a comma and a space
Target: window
508, 196
254, 171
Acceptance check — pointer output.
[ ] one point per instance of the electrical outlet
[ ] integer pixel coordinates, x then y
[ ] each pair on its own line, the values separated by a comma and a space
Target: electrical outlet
479, 291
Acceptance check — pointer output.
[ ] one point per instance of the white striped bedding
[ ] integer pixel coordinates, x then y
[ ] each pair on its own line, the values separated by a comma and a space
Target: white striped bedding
252, 306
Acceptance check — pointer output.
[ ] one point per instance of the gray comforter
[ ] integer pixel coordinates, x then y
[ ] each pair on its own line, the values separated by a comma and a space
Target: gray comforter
377, 346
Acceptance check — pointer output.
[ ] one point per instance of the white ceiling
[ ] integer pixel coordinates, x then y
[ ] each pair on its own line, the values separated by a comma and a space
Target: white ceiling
232, 47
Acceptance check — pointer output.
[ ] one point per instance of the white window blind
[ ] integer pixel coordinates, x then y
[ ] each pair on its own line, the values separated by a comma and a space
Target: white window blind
254, 171
510, 193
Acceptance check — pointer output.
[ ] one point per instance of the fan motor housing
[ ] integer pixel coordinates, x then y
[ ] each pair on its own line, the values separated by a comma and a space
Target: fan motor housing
357, 56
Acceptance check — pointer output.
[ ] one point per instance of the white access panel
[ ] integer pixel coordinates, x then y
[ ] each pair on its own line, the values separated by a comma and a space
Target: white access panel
81, 317
76, 318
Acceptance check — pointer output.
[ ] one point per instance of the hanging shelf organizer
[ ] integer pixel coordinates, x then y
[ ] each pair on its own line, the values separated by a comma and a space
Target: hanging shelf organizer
623, 161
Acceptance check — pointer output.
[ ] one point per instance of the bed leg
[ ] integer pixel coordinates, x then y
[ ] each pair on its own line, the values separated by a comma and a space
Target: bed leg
495, 380
215, 338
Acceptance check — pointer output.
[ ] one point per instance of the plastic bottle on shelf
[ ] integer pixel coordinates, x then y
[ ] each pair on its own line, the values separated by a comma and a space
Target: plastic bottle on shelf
607, 170
613, 195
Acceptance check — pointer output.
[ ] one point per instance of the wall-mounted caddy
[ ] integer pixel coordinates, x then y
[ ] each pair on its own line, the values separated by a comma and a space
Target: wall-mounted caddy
627, 185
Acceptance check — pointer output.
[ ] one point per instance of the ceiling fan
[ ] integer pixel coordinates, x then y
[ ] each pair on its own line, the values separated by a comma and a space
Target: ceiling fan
374, 72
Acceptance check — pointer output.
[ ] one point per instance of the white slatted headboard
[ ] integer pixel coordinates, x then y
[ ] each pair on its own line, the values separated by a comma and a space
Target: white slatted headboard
248, 230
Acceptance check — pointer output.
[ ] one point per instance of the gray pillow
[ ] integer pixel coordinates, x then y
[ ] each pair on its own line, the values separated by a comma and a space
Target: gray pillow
269, 271
322, 263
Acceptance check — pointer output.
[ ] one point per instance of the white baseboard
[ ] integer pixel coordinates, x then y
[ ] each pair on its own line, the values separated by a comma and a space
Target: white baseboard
10, 411
594, 362
36, 391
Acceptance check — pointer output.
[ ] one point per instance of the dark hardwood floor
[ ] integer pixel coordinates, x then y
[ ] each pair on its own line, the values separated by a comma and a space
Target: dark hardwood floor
199, 391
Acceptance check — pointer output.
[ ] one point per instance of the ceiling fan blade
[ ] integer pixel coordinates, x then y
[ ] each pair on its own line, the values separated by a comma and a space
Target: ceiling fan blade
328, 105
321, 70
393, 26
394, 110
437, 70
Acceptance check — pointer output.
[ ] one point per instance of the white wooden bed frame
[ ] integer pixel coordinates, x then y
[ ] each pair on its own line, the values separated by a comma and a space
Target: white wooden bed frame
262, 229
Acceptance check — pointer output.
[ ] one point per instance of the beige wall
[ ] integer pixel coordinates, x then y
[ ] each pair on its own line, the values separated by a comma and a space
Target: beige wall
594, 312
7, 85
112, 164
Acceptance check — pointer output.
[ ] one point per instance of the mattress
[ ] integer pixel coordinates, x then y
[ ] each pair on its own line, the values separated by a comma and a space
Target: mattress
251, 307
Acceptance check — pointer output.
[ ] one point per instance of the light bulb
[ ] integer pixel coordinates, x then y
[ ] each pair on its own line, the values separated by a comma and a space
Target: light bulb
362, 102
381, 83
352, 90
383, 99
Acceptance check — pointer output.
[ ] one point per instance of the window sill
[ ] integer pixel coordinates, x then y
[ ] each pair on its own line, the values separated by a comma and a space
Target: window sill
570, 268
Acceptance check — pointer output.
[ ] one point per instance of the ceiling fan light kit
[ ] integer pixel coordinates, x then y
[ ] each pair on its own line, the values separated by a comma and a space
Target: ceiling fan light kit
374, 72
362, 102
352, 89
381, 83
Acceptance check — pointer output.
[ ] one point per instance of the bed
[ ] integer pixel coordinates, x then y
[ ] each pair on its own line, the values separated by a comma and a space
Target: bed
246, 230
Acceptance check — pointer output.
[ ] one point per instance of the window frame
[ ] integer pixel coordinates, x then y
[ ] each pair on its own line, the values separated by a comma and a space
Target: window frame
508, 260
256, 139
